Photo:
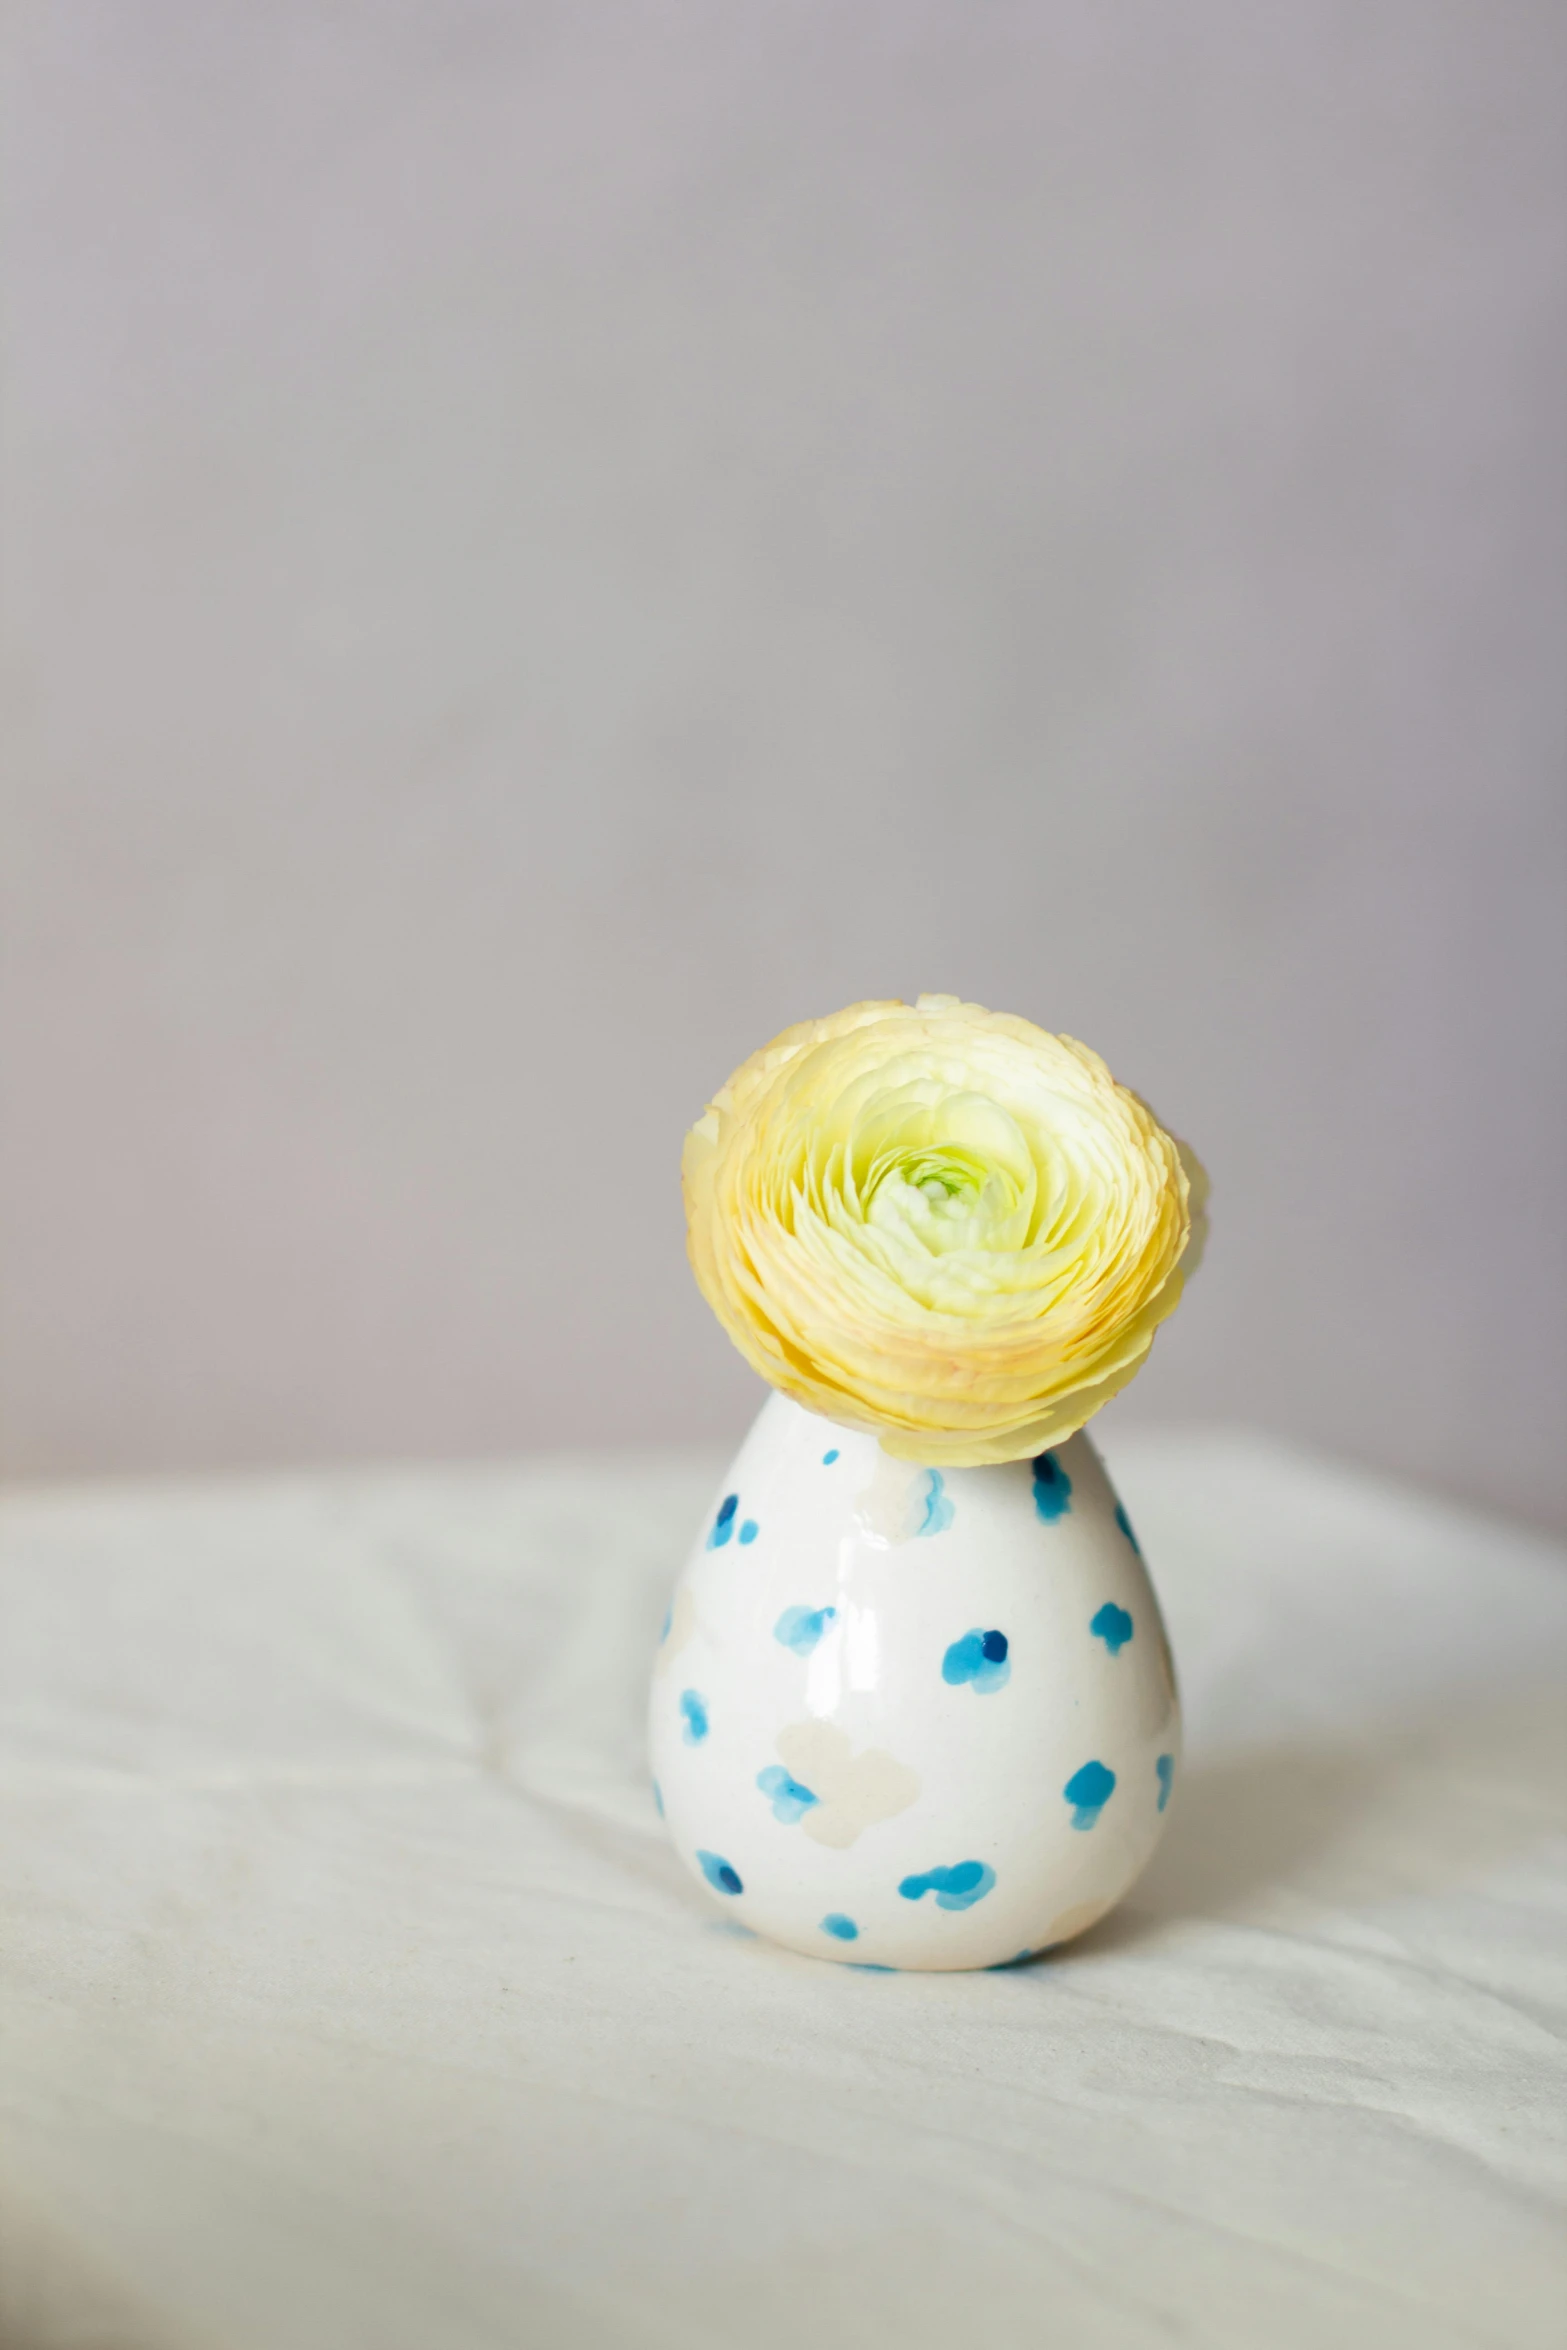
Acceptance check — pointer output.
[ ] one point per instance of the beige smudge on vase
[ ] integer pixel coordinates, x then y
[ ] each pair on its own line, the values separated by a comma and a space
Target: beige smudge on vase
853, 1792
1158, 1697
682, 1629
1167, 1667
1075, 1921
891, 1508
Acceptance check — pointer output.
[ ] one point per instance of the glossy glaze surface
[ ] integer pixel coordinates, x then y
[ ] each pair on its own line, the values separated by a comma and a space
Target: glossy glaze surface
911, 1718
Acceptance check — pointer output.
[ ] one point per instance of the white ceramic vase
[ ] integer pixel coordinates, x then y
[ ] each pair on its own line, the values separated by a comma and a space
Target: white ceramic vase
907, 1717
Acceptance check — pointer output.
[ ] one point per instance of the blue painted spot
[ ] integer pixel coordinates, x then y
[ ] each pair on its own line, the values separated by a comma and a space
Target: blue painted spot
748, 1530
1165, 1767
958, 1887
658, 1799
1113, 1626
669, 1617
790, 1801
937, 1505
841, 1928
724, 1523
800, 1628
1125, 1524
1088, 1791
719, 1874
1052, 1488
870, 1966
829, 1457
694, 1709
980, 1659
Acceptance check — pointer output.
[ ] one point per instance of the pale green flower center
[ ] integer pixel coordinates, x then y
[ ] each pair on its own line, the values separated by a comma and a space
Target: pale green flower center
924, 1173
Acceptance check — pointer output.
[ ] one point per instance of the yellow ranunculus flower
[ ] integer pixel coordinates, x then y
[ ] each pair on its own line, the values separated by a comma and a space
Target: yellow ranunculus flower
939, 1223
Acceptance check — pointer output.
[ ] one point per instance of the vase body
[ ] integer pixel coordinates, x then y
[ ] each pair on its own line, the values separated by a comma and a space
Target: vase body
912, 1718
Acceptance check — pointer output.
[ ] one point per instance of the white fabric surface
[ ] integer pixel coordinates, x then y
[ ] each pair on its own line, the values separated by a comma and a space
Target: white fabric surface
352, 1997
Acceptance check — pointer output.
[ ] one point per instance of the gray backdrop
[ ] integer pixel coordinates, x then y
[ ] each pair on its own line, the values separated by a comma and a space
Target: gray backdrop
551, 540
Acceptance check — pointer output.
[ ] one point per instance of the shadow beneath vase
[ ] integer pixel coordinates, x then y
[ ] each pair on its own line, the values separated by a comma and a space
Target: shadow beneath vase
1425, 1805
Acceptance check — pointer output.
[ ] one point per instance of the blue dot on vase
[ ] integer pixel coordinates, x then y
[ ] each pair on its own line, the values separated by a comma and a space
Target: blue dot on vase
842, 1929
957, 1887
979, 1661
724, 1523
829, 1457
871, 1966
790, 1801
801, 1628
935, 1504
1088, 1791
1125, 1524
1113, 1626
1052, 1488
748, 1531
694, 1711
718, 1873
658, 1799
1165, 1767
669, 1617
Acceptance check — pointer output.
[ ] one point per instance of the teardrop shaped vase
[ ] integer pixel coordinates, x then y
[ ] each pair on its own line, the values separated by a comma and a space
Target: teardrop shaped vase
908, 1717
